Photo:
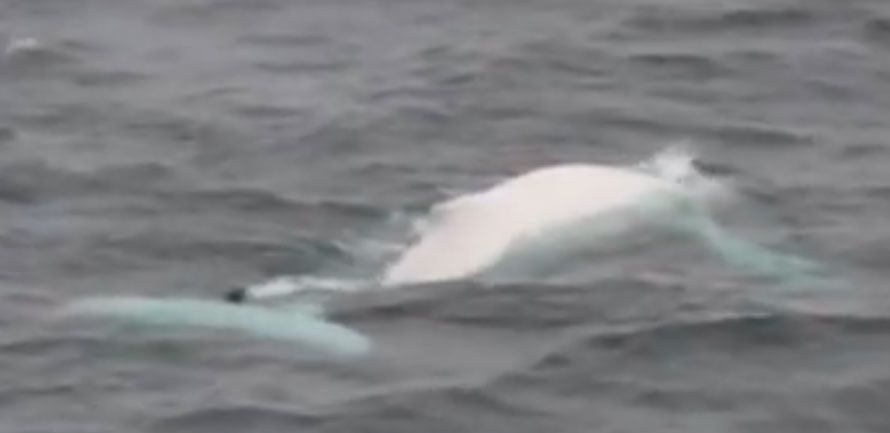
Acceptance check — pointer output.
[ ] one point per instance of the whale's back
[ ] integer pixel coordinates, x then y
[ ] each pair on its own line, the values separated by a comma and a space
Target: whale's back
474, 232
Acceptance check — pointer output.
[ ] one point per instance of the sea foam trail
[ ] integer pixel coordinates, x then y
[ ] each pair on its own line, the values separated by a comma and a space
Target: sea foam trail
301, 323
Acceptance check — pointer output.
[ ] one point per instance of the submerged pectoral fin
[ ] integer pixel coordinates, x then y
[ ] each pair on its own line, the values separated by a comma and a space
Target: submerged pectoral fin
747, 255
303, 324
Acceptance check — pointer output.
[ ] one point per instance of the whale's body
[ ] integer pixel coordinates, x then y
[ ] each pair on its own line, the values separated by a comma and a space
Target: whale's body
537, 217
523, 227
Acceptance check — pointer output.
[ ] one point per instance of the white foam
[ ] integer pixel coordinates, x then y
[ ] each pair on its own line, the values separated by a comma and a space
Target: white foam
294, 285
21, 45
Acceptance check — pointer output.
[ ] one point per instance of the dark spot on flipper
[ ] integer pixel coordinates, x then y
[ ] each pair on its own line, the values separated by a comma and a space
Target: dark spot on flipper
237, 295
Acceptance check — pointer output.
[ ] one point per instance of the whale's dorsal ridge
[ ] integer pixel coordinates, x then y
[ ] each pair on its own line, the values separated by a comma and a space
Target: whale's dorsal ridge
469, 234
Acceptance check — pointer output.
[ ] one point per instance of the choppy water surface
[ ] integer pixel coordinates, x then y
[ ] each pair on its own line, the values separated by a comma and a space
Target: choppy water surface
159, 148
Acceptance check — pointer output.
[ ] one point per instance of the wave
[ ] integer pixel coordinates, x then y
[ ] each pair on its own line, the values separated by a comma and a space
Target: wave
705, 365
722, 19
237, 419
737, 340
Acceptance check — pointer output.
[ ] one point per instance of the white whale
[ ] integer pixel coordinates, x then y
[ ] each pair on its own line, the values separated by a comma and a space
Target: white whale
524, 226
538, 219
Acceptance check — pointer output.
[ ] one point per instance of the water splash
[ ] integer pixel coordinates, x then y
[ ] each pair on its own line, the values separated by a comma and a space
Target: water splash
301, 323
288, 285
675, 163
678, 164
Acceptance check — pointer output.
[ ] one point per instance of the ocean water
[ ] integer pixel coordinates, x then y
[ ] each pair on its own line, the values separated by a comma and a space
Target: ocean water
181, 148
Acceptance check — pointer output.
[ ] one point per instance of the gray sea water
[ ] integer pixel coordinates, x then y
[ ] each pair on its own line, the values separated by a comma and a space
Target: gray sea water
183, 147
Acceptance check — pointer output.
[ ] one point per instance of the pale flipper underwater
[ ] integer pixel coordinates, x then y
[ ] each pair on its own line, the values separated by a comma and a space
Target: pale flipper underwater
301, 323
753, 259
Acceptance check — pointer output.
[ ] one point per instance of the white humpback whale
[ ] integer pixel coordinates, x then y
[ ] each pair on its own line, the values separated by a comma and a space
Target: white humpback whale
525, 224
